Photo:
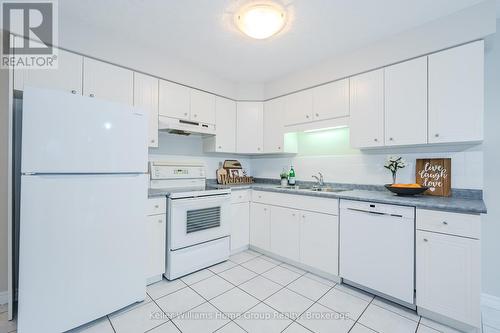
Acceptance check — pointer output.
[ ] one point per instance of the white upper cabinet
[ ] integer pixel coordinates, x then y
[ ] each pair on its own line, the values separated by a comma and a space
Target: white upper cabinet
102, 80
249, 127
274, 131
406, 103
202, 107
367, 109
456, 94
146, 98
331, 100
175, 100
224, 140
298, 107
67, 76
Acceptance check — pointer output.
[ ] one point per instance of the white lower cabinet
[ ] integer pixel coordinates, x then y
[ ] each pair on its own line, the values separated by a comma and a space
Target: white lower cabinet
156, 239
284, 232
260, 219
319, 241
240, 225
299, 228
448, 276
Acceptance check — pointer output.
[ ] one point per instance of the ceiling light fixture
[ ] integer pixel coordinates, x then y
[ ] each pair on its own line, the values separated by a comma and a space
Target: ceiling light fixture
261, 21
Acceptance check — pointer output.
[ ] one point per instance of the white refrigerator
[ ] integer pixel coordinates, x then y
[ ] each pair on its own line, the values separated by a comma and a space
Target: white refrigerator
83, 202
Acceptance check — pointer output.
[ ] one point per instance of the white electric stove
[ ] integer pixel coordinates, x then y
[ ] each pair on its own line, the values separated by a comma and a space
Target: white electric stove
197, 218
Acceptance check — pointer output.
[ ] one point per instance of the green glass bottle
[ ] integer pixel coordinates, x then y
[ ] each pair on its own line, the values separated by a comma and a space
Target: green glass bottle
291, 176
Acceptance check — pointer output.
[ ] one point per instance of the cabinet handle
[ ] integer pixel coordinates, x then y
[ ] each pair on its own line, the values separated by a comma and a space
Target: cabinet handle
279, 148
152, 141
436, 135
445, 223
160, 221
195, 115
185, 113
391, 139
376, 140
307, 116
303, 216
220, 147
317, 114
258, 148
91, 95
157, 206
426, 240
73, 92
293, 214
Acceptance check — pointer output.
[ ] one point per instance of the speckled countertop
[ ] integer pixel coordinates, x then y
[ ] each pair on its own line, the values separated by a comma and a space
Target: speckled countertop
459, 204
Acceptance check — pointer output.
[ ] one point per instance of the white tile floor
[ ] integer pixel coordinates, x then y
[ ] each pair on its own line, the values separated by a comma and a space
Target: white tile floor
256, 294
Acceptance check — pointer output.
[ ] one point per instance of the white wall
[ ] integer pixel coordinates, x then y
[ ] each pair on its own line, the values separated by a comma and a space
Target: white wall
491, 221
469, 24
181, 148
4, 175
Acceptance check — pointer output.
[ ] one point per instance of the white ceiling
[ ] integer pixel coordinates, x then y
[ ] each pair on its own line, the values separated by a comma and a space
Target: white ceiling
201, 33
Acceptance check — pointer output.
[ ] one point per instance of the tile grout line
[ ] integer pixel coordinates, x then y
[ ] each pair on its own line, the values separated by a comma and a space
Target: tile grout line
361, 315
314, 302
109, 320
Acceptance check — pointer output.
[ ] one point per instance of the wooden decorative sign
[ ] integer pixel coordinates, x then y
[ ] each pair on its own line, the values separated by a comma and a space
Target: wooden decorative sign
435, 173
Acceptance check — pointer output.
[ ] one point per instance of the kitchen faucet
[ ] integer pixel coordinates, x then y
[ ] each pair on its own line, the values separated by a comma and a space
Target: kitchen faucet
319, 179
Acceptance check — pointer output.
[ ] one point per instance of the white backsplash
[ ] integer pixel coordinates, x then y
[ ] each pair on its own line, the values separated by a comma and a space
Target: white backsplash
368, 167
178, 148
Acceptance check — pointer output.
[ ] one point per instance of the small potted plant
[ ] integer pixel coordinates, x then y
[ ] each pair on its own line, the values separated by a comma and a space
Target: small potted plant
284, 178
394, 163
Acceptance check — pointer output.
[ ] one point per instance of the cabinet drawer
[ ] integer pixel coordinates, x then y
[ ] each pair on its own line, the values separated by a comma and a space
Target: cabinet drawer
465, 225
240, 196
297, 201
157, 206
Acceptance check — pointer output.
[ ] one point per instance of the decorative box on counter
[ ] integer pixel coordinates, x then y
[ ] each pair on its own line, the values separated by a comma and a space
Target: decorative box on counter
231, 172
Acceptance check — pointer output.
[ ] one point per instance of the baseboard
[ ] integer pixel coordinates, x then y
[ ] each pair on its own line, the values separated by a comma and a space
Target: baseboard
490, 309
4, 297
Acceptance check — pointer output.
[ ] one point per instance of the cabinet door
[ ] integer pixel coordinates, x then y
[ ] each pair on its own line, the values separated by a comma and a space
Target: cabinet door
319, 241
249, 127
146, 98
406, 103
274, 131
448, 276
225, 125
102, 80
174, 100
259, 226
202, 107
367, 109
298, 107
156, 231
67, 76
456, 94
240, 225
331, 100
285, 232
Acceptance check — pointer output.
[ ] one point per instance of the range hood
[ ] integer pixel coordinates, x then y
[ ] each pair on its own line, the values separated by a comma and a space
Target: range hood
184, 127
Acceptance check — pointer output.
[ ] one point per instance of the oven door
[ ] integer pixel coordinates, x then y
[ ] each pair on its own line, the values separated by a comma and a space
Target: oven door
196, 220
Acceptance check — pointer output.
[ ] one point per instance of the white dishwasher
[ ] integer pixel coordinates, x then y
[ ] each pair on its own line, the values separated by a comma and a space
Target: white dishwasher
377, 248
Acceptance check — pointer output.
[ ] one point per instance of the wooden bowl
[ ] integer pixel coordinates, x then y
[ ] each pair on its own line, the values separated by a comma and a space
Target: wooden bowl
406, 191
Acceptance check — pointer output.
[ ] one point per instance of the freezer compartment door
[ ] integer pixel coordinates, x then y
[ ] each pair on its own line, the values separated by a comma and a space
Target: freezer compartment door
67, 133
82, 252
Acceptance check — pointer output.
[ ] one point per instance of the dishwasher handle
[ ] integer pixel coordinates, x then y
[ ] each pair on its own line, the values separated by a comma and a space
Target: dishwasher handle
374, 212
